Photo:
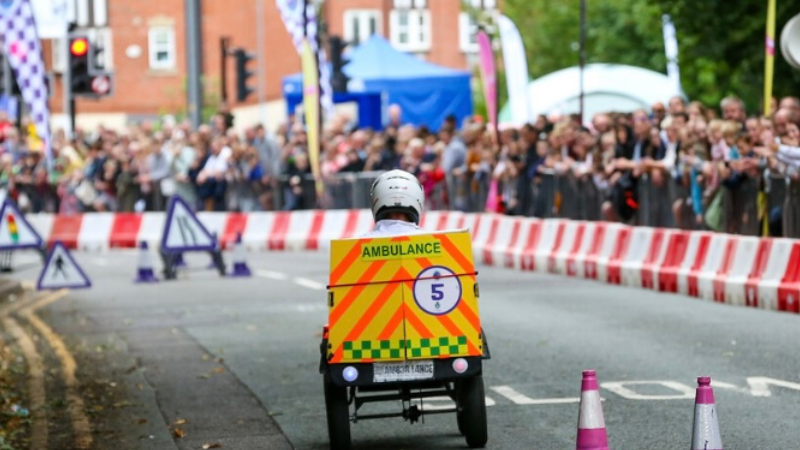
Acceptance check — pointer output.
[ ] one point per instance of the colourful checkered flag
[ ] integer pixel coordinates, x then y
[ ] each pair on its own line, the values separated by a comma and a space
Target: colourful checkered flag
301, 28
21, 44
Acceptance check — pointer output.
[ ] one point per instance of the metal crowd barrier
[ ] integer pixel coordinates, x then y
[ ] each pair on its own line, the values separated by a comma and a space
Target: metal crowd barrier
564, 195
339, 191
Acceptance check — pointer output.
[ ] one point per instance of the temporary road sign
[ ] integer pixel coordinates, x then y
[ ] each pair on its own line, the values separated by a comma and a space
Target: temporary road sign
183, 231
15, 231
62, 271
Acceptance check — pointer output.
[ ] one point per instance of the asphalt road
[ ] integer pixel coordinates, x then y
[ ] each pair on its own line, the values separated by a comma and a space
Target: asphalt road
235, 357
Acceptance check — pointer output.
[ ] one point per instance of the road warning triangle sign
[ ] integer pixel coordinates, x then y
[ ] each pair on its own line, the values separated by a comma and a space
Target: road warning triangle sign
15, 231
183, 231
62, 271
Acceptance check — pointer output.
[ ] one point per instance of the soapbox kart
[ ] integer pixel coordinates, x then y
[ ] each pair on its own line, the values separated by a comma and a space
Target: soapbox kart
404, 326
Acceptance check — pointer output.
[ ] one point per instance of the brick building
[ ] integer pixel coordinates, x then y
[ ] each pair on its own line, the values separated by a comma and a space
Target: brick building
144, 44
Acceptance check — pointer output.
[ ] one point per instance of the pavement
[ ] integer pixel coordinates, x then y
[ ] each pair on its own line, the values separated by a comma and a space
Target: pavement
205, 361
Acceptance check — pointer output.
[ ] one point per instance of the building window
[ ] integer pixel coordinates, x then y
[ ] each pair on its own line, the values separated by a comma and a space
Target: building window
161, 47
481, 4
411, 29
468, 25
361, 24
468, 30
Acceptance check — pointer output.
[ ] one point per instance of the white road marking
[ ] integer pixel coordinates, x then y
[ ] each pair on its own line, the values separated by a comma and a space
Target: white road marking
311, 308
272, 275
100, 261
306, 283
728, 386
520, 399
442, 403
618, 387
759, 386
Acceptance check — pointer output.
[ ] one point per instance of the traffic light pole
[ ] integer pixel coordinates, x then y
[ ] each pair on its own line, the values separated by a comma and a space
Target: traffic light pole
193, 63
66, 85
8, 77
224, 42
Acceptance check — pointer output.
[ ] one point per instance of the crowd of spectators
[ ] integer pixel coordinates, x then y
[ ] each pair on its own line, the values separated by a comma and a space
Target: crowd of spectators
694, 159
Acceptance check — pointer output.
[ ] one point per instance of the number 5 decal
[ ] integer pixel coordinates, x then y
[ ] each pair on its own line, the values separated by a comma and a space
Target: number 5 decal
436, 292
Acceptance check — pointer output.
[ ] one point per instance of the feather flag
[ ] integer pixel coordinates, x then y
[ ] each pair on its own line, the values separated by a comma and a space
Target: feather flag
311, 109
21, 44
488, 75
671, 50
516, 68
305, 29
769, 60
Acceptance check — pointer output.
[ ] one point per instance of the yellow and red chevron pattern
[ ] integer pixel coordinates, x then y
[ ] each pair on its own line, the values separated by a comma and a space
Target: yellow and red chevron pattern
405, 297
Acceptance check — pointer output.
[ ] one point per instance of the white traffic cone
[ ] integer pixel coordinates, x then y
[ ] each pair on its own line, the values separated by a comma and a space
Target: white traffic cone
144, 270
240, 268
591, 424
705, 433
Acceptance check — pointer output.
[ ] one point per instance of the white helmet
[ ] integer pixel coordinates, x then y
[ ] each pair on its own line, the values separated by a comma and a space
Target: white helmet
397, 191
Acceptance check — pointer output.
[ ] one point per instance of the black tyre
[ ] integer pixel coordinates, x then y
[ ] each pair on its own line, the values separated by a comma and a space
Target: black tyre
460, 420
338, 412
471, 415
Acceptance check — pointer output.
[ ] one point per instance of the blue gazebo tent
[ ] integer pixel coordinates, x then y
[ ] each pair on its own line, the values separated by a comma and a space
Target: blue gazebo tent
381, 75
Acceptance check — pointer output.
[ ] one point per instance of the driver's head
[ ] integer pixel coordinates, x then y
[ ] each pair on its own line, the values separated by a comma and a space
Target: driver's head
397, 195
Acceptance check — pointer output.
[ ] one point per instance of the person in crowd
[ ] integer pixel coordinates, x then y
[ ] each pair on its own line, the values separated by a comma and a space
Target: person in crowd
211, 181
454, 160
659, 113
733, 109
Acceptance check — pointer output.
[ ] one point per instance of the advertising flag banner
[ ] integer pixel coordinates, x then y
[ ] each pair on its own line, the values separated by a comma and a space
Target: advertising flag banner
769, 60
671, 50
24, 51
488, 75
516, 67
304, 27
311, 108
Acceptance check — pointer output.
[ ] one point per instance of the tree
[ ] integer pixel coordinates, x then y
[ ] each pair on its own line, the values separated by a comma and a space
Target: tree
722, 49
721, 42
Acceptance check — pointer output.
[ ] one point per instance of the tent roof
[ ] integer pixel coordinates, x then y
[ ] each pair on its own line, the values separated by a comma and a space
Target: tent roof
377, 59
608, 87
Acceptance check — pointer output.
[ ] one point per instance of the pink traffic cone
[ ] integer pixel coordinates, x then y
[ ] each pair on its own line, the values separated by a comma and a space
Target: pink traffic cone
705, 433
144, 271
240, 268
591, 425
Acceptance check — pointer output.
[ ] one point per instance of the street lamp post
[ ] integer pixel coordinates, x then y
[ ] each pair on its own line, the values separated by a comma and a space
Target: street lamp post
582, 54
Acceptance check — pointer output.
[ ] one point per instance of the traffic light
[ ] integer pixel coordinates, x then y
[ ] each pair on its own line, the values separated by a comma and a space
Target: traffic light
241, 58
79, 65
339, 79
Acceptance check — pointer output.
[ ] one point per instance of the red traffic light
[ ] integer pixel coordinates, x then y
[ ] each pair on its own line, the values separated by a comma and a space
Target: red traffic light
79, 47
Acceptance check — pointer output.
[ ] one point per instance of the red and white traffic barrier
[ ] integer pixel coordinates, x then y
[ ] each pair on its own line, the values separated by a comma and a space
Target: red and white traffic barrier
742, 271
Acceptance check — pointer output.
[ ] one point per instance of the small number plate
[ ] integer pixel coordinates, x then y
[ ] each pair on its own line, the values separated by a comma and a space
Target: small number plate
402, 371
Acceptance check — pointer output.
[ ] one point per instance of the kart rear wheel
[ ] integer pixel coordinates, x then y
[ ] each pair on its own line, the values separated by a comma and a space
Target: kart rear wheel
471, 414
338, 412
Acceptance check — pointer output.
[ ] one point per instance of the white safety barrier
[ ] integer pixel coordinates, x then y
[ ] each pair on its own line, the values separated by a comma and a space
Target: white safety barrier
742, 271
570, 237
743, 260
632, 263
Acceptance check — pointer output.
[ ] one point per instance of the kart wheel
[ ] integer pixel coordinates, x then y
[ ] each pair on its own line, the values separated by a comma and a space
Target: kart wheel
338, 413
460, 420
471, 415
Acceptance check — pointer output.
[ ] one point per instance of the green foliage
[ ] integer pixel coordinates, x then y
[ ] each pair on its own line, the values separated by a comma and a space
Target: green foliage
721, 42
